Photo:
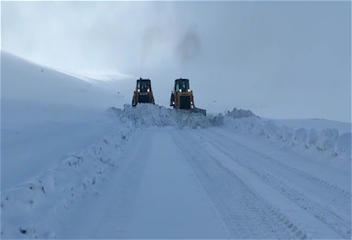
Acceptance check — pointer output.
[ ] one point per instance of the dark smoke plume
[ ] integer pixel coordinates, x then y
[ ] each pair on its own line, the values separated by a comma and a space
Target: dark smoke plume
188, 46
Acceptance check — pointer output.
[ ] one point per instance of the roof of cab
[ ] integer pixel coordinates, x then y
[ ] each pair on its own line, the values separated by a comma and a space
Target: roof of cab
143, 79
181, 79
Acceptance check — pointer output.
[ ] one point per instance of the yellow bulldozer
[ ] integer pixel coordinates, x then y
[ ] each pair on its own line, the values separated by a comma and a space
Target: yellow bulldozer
182, 97
143, 92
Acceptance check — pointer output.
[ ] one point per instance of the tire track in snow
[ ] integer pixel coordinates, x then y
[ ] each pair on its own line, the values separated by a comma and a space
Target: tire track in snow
257, 165
246, 214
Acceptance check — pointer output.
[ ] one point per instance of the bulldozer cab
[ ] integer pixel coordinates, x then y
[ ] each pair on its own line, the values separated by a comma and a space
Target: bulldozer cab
144, 85
143, 92
182, 95
181, 85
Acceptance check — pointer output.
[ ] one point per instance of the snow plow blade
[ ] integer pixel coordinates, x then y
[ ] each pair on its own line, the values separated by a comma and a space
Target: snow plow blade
199, 110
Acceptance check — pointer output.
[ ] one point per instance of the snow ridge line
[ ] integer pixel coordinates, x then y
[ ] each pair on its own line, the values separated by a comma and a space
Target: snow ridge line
327, 141
331, 219
28, 210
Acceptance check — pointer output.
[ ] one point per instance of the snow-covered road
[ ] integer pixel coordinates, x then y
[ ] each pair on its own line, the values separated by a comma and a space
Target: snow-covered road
205, 183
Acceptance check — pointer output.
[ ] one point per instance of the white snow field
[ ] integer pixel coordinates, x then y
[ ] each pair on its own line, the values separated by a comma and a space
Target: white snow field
79, 163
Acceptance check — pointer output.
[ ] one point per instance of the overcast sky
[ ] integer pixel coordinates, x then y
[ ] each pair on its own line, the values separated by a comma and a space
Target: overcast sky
278, 59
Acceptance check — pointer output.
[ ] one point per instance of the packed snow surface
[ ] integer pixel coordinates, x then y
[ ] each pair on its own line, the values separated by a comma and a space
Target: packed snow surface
79, 163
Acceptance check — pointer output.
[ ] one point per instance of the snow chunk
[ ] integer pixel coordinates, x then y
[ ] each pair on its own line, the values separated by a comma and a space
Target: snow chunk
300, 136
343, 143
286, 133
240, 113
327, 139
312, 138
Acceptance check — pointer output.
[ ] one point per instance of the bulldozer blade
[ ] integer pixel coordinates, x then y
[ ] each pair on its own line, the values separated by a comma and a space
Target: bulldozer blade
199, 110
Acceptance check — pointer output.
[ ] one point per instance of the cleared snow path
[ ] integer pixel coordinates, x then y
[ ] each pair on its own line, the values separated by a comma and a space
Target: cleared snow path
152, 194
204, 183
171, 202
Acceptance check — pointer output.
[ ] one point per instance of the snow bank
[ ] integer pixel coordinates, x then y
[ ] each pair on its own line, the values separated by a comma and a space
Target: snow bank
32, 209
147, 115
327, 141
318, 124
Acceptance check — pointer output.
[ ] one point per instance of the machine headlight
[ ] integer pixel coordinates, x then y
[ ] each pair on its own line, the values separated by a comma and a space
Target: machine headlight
138, 90
148, 90
180, 90
189, 90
